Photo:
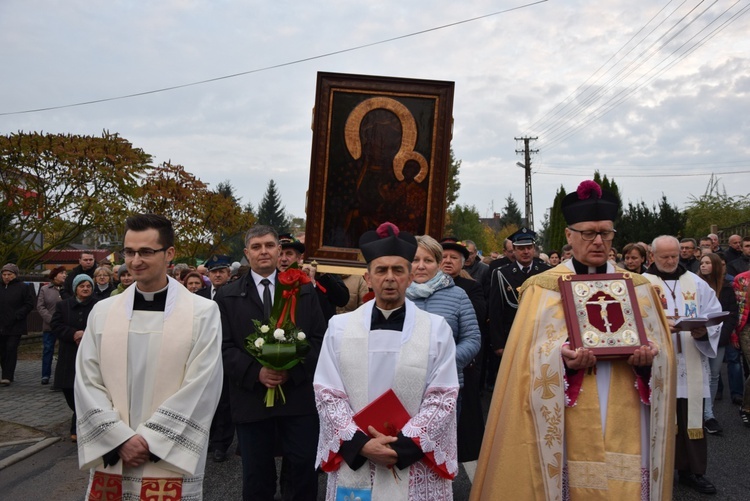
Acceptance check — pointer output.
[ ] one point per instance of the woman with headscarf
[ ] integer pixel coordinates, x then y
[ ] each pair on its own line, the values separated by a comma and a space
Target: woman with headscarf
68, 325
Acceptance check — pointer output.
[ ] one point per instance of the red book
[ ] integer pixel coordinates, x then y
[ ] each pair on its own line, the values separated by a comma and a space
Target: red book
386, 414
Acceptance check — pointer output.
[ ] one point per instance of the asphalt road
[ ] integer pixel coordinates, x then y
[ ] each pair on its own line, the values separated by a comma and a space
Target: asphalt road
53, 473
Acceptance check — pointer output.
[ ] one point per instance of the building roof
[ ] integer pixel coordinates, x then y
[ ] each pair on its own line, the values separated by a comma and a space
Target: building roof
71, 256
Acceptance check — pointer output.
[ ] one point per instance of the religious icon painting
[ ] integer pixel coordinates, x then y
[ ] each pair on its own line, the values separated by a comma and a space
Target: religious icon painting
602, 314
381, 152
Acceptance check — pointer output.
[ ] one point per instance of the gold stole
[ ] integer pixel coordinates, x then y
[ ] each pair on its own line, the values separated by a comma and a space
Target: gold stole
605, 466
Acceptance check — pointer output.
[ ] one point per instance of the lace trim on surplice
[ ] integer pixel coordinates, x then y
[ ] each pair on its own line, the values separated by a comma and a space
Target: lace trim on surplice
336, 421
435, 426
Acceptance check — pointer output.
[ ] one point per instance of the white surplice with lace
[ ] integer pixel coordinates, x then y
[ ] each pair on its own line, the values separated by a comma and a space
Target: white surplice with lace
433, 427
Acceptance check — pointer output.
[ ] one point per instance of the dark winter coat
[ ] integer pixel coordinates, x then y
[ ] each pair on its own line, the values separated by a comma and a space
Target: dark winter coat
239, 304
16, 302
103, 294
70, 316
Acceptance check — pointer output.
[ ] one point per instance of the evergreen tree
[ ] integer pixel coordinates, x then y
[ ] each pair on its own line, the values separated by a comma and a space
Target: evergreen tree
555, 234
640, 223
610, 185
511, 213
270, 210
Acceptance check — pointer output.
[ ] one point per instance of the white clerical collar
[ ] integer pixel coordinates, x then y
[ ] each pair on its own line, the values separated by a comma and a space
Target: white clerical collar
149, 296
387, 313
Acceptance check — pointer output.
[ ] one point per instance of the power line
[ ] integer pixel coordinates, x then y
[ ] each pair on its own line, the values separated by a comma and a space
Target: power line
274, 66
672, 174
625, 93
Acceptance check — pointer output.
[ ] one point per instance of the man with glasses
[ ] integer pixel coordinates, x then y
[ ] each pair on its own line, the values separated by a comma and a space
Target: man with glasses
687, 255
148, 378
582, 427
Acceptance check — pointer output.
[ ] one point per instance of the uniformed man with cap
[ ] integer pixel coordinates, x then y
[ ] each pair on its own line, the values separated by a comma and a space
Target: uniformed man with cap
330, 289
218, 273
222, 428
503, 293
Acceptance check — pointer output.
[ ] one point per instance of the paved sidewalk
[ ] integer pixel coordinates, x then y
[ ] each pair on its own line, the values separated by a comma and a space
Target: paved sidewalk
27, 402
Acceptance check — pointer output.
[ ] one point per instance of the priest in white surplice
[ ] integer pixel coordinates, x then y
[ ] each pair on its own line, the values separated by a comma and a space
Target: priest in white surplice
387, 344
148, 378
685, 294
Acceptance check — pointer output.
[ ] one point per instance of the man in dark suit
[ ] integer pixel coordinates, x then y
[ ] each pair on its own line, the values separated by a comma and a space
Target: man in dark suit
329, 288
503, 294
218, 267
294, 422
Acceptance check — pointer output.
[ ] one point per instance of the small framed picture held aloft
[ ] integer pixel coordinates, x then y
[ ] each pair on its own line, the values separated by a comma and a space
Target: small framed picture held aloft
602, 314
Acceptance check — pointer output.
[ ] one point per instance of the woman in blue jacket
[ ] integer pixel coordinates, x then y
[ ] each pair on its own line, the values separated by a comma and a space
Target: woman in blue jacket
434, 291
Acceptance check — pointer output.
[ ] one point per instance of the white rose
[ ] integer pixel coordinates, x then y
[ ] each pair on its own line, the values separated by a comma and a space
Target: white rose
259, 342
279, 334
264, 329
301, 336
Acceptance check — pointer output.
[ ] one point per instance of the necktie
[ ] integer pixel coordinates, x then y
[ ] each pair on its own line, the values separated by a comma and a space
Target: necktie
266, 298
526, 270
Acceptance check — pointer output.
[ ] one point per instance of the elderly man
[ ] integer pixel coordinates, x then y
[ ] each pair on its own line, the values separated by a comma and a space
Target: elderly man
16, 302
684, 294
222, 429
329, 288
564, 424
742, 263
218, 273
473, 264
687, 255
295, 422
148, 377
388, 344
734, 249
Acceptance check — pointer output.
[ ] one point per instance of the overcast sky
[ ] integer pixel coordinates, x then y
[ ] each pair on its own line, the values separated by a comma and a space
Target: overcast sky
633, 88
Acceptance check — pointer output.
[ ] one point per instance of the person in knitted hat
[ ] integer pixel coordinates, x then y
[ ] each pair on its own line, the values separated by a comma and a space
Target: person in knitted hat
68, 325
563, 411
49, 295
388, 344
16, 301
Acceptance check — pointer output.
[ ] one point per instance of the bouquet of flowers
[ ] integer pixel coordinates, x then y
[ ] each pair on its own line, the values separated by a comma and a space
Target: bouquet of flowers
279, 344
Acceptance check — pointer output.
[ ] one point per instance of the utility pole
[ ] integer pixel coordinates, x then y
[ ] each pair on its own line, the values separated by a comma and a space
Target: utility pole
527, 167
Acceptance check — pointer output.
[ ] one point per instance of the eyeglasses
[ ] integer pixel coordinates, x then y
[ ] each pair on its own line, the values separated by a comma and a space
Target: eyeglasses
589, 235
145, 253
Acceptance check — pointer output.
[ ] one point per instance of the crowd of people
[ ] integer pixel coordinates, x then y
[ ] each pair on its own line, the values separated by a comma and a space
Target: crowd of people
431, 320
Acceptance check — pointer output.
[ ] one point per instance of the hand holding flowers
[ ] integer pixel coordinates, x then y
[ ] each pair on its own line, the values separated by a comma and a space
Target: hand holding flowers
277, 344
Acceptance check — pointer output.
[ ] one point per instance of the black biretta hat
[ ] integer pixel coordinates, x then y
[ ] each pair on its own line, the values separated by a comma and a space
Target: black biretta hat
590, 203
387, 240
